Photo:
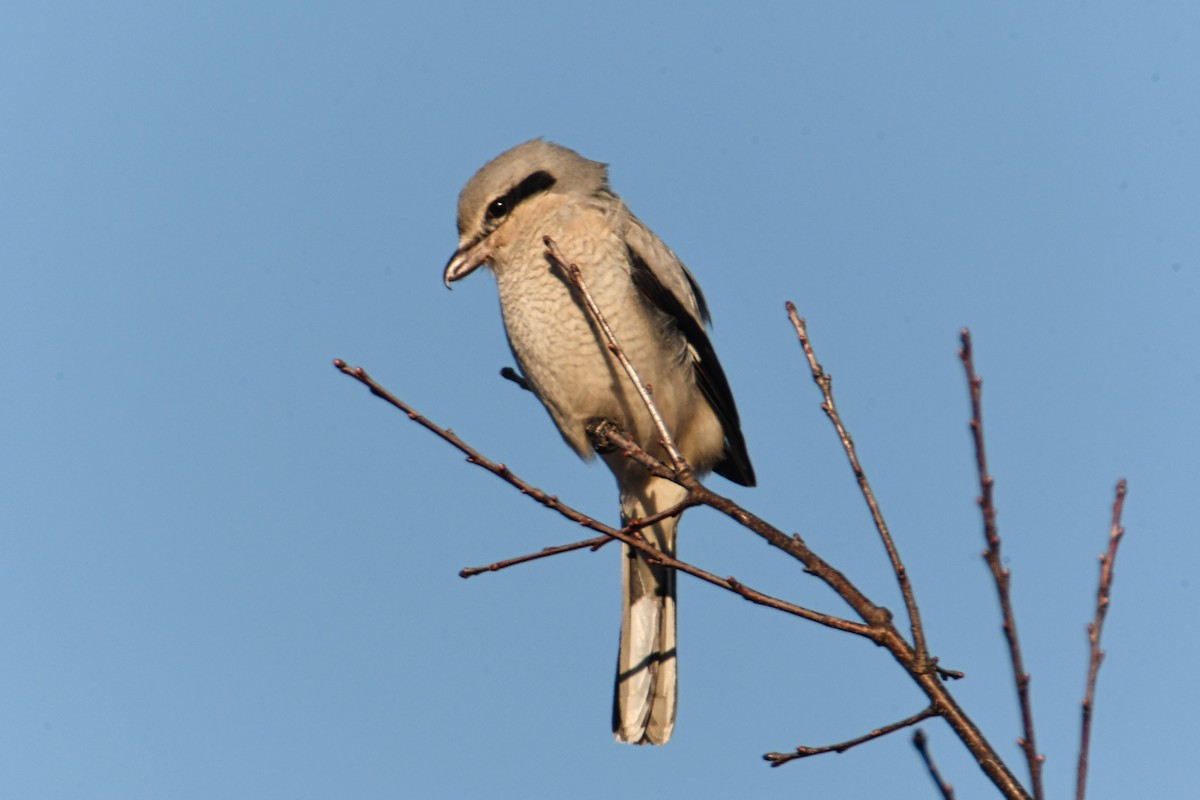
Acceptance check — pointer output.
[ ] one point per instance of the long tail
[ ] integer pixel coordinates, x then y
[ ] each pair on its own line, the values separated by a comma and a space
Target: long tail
646, 691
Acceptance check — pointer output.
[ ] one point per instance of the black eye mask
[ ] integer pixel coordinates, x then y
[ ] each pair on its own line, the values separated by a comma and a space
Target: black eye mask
503, 205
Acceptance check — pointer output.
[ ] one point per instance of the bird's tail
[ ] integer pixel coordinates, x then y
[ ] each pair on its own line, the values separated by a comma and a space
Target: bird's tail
644, 702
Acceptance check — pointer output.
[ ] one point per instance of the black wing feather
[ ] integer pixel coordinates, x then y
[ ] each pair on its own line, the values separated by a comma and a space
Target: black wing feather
735, 462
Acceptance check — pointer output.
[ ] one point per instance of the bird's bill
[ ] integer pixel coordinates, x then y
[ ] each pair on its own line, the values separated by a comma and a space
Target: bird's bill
469, 257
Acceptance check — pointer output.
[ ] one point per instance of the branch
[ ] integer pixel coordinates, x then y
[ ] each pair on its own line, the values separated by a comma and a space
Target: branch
594, 543
825, 382
1000, 575
1094, 630
552, 502
779, 759
919, 741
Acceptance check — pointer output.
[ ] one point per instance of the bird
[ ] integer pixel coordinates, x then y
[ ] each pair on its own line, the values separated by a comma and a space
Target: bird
654, 306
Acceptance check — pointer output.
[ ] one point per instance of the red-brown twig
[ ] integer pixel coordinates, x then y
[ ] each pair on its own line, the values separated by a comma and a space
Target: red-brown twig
594, 543
1000, 575
1096, 655
552, 502
921, 743
825, 384
779, 759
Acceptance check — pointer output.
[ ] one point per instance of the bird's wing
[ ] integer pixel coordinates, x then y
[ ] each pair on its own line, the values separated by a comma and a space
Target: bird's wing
666, 284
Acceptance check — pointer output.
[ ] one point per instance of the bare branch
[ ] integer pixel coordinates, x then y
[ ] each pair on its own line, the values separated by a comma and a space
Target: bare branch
919, 741
594, 543
828, 620
825, 383
1096, 655
1000, 575
629, 538
779, 759
687, 502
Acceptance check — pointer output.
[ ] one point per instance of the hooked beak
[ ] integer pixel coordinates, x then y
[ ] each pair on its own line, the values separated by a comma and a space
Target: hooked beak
469, 257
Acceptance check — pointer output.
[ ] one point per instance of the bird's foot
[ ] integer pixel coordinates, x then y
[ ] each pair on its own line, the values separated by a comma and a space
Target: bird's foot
511, 374
598, 431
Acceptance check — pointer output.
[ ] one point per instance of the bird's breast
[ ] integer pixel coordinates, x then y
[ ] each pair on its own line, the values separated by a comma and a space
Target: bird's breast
557, 345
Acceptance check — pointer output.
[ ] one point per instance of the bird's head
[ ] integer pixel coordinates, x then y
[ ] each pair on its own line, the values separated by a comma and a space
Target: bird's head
494, 196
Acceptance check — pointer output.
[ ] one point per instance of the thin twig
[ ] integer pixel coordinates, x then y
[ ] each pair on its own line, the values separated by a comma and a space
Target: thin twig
921, 743
825, 383
758, 598
639, 523
594, 543
1000, 575
779, 759
1096, 655
552, 502
576, 277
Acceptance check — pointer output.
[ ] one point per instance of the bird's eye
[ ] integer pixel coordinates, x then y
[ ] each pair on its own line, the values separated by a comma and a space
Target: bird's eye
497, 208
503, 205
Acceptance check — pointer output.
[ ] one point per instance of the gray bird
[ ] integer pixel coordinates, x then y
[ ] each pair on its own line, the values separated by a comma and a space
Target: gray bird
658, 314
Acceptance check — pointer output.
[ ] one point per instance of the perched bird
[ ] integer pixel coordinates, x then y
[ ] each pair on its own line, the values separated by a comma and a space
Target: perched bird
658, 314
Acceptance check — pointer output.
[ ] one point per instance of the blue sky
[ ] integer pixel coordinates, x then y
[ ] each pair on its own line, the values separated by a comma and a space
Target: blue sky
229, 571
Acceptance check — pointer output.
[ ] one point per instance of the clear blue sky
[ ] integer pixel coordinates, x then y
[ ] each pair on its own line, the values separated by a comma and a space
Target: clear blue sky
229, 571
